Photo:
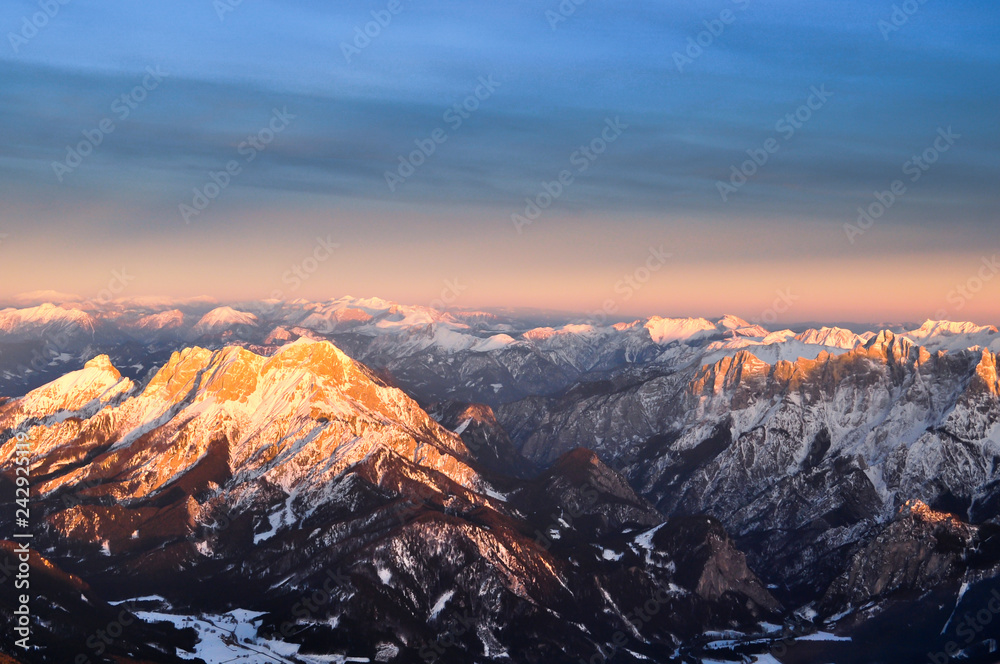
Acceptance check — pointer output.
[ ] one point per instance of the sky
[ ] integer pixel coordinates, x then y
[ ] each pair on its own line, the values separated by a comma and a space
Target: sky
778, 160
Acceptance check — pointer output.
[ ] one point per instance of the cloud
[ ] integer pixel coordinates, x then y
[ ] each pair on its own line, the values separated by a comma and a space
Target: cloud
34, 298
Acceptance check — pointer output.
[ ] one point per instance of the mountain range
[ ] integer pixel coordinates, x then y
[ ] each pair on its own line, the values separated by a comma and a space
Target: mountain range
359, 480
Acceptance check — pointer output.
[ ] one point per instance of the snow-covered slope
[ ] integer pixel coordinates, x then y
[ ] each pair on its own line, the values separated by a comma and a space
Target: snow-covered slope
667, 330
780, 447
44, 320
434, 355
802, 444
946, 335
235, 479
273, 419
222, 319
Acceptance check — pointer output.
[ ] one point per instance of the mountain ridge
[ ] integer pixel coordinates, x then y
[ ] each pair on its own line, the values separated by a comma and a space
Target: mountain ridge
304, 459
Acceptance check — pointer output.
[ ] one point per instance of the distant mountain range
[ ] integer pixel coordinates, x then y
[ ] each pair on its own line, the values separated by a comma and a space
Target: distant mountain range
358, 480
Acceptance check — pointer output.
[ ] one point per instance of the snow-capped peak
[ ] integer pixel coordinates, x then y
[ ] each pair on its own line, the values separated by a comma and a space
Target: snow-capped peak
160, 321
279, 416
667, 330
98, 381
222, 318
932, 328
731, 322
837, 337
952, 336
33, 319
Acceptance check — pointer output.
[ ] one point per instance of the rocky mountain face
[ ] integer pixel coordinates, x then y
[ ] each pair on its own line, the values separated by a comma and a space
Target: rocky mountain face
486, 440
494, 489
234, 481
798, 459
435, 356
921, 548
70, 619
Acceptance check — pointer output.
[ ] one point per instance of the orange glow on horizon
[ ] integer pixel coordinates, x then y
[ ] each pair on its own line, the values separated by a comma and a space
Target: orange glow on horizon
677, 267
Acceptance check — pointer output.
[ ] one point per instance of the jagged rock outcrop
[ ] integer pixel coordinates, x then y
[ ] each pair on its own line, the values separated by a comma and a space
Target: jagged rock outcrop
802, 446
486, 440
231, 480
919, 550
71, 623
799, 460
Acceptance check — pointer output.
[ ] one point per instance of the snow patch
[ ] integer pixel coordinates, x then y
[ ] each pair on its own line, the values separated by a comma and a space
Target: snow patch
439, 604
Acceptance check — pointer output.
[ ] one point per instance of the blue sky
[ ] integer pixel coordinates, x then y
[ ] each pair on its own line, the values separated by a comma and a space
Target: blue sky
555, 89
